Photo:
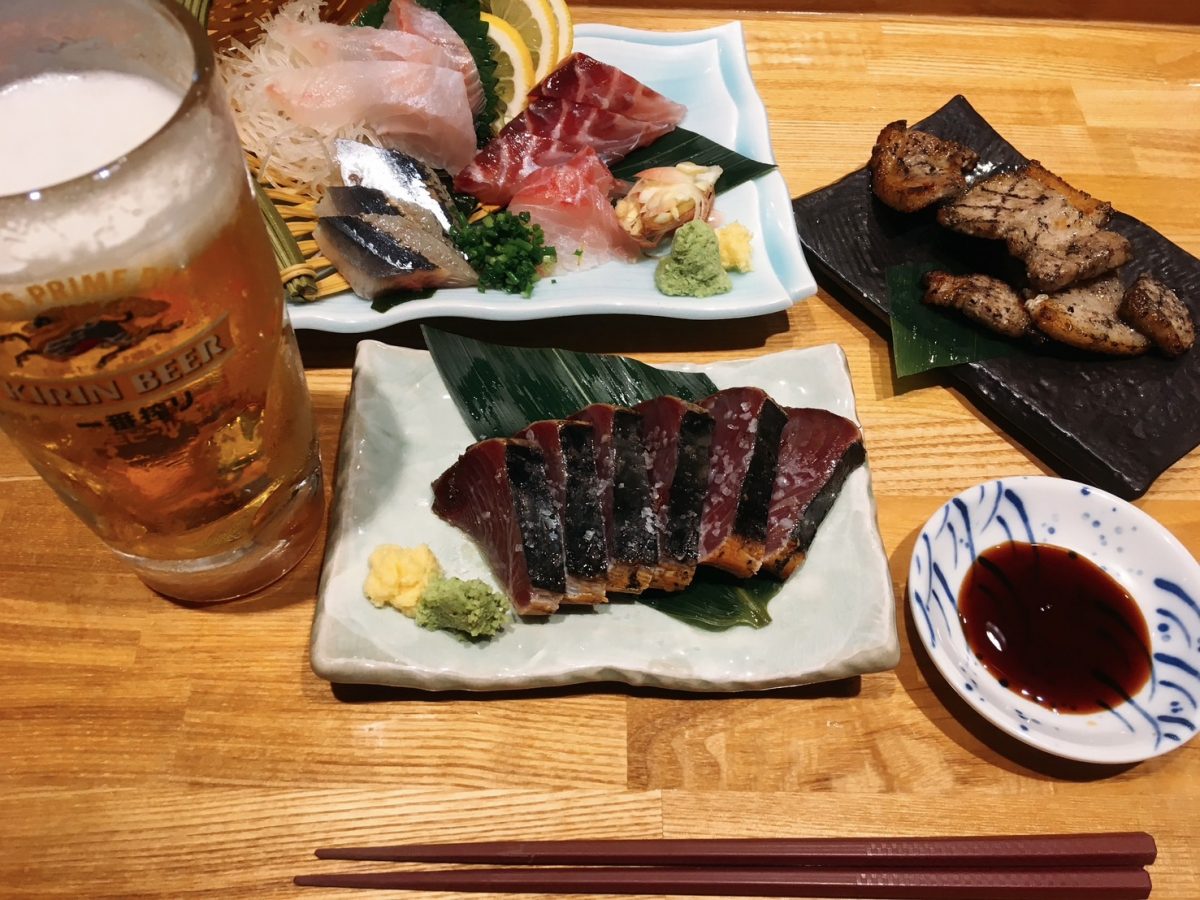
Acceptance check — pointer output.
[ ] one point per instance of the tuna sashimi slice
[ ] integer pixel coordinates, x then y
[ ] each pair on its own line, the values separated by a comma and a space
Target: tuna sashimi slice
421, 109
612, 135
570, 202
747, 429
678, 438
498, 494
630, 526
410, 17
582, 79
499, 169
571, 471
818, 450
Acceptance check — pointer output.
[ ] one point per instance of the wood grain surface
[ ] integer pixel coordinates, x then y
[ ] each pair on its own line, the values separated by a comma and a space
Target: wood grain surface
152, 750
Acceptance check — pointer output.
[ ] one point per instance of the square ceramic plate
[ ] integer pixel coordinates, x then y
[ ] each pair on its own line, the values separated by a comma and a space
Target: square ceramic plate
708, 72
1114, 423
834, 618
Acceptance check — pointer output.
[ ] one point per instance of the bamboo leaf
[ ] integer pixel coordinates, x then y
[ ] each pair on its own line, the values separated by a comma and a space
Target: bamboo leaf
499, 390
925, 338
682, 145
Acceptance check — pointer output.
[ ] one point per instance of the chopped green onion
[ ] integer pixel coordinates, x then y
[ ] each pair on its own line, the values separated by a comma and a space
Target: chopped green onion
506, 250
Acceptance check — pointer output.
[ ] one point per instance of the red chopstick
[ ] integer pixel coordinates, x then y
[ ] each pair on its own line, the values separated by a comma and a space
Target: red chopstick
1117, 849
1102, 883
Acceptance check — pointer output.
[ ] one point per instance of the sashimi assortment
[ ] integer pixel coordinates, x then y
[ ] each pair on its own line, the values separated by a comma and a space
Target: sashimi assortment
640, 497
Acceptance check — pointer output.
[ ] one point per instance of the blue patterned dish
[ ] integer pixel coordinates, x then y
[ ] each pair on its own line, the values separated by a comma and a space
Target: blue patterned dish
1158, 572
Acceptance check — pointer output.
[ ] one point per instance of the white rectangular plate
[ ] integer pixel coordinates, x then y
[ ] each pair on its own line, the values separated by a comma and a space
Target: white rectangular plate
834, 618
708, 72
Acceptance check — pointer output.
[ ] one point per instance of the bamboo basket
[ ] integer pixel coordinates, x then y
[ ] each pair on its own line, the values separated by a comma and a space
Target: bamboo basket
290, 218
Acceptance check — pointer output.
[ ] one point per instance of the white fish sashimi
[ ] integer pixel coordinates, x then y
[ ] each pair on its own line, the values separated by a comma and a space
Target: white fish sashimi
322, 43
409, 17
418, 108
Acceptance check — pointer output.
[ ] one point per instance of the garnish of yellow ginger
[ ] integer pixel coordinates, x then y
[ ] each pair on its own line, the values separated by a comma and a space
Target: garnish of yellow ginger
398, 576
665, 198
734, 242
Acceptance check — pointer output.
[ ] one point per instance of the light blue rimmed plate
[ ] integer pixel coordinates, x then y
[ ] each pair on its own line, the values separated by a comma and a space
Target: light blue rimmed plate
1155, 568
707, 71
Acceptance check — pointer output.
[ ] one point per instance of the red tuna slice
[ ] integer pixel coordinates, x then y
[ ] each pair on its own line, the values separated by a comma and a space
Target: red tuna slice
630, 526
613, 136
747, 429
497, 170
678, 438
570, 202
819, 449
570, 455
498, 494
582, 79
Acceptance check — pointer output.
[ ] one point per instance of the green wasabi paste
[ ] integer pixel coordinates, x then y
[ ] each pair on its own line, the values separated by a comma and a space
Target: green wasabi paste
468, 607
693, 267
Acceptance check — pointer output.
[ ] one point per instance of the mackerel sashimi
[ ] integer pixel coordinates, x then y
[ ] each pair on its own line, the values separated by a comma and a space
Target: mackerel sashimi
411, 18
421, 108
748, 426
818, 450
570, 202
498, 493
612, 135
504, 163
582, 79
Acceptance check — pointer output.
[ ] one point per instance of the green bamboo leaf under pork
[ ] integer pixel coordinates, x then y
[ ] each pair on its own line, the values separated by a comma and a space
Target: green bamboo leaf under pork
500, 389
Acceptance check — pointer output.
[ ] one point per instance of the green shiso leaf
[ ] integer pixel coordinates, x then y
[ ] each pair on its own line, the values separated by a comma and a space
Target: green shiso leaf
682, 145
373, 15
463, 16
499, 390
926, 338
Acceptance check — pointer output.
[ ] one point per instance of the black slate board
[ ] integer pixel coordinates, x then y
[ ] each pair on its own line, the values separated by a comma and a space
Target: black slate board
1114, 423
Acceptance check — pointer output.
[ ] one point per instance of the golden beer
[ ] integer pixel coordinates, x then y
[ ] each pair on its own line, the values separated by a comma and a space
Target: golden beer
147, 368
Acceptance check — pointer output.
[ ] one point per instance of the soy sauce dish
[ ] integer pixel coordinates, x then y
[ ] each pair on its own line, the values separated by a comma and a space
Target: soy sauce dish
1064, 615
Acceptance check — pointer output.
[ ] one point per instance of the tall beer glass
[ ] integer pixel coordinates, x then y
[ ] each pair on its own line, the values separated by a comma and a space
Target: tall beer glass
147, 367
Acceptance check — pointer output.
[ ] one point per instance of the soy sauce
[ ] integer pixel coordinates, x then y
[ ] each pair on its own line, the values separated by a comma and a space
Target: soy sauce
1054, 627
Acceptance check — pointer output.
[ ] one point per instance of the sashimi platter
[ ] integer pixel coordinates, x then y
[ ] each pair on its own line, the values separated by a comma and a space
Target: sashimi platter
448, 158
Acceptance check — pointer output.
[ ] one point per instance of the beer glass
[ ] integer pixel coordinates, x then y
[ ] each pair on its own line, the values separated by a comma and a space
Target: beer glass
147, 367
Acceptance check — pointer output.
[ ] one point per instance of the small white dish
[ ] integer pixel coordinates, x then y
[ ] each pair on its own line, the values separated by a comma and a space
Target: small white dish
1139, 553
835, 617
707, 71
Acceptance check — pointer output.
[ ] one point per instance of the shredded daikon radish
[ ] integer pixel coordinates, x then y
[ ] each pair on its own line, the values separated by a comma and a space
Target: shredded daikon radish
291, 156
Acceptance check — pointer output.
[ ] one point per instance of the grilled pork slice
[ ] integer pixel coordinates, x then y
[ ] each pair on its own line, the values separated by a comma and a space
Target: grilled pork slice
1055, 229
819, 449
498, 494
911, 170
1157, 312
571, 472
747, 425
630, 526
988, 301
1085, 316
678, 437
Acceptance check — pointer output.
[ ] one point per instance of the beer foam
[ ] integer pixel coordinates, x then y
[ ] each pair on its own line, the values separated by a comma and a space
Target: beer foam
153, 209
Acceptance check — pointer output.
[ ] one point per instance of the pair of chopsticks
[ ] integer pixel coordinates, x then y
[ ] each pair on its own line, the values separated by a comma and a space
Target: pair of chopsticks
1106, 866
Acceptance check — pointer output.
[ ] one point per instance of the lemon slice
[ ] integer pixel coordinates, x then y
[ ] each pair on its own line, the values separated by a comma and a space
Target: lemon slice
537, 24
566, 28
514, 67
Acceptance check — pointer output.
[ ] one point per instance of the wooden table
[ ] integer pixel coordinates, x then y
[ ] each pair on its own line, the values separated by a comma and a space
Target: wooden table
148, 750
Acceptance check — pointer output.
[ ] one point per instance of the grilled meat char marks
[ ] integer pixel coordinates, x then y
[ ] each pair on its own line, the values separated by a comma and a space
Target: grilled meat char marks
678, 439
630, 528
745, 449
911, 169
988, 301
498, 494
1085, 316
1157, 312
817, 452
571, 472
1055, 229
